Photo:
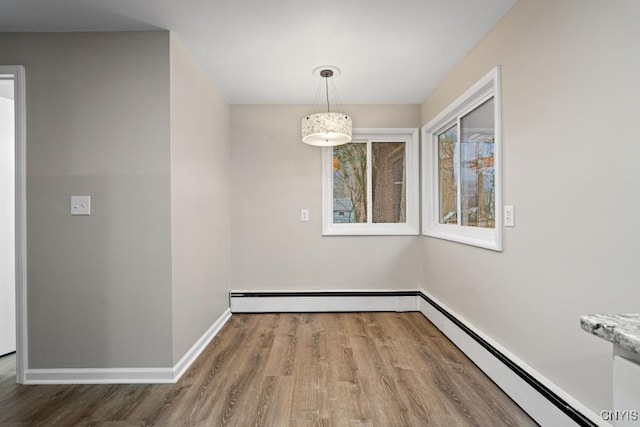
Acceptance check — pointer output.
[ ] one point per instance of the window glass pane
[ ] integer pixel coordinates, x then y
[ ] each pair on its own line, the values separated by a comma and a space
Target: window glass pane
448, 175
477, 167
388, 182
350, 183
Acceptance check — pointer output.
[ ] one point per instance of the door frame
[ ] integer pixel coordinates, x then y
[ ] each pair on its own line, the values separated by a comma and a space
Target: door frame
17, 72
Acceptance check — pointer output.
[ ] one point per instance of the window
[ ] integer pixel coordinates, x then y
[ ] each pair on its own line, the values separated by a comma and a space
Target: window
461, 168
370, 185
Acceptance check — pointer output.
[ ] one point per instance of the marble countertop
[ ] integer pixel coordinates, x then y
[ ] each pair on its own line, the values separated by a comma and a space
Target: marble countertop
620, 329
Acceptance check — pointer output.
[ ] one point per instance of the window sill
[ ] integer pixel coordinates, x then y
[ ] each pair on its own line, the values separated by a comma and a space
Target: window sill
371, 230
485, 238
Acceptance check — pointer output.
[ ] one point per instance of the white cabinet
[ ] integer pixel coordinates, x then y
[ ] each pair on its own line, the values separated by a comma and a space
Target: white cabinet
626, 388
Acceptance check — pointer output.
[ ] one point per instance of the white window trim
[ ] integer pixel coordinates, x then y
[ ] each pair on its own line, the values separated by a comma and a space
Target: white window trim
485, 88
412, 227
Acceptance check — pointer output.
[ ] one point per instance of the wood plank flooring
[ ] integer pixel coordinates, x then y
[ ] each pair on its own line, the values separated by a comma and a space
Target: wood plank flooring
341, 369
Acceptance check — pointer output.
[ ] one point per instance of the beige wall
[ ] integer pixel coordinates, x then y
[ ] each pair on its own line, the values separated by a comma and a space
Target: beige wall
200, 200
569, 82
274, 175
99, 287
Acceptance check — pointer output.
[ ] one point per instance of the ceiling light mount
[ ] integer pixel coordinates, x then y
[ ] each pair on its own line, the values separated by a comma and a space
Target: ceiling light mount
330, 128
318, 71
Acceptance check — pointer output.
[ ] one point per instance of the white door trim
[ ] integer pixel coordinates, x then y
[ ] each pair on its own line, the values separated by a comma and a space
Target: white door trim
17, 71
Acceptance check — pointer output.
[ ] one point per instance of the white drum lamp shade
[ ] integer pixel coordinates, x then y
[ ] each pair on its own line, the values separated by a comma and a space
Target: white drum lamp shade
326, 129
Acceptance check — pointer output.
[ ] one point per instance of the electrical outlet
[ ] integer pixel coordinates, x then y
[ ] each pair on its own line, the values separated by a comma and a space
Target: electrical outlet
80, 205
304, 215
509, 216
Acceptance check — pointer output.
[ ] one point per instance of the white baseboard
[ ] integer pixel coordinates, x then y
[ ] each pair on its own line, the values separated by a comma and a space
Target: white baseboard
190, 356
520, 391
321, 301
128, 375
99, 376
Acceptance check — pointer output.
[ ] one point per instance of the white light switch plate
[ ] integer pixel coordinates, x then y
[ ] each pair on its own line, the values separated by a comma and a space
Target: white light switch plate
509, 216
80, 205
304, 215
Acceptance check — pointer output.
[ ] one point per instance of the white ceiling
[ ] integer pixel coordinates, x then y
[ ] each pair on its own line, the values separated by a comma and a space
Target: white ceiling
264, 51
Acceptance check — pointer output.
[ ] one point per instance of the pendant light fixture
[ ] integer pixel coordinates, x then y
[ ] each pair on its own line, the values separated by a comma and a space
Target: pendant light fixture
329, 128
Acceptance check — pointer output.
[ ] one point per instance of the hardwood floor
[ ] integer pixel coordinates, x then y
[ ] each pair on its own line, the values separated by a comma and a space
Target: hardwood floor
343, 369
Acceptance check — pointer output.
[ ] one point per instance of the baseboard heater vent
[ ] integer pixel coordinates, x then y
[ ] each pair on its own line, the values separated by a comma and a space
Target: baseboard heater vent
548, 394
322, 301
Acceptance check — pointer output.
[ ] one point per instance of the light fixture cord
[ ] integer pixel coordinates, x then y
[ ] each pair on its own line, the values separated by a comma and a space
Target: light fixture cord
326, 85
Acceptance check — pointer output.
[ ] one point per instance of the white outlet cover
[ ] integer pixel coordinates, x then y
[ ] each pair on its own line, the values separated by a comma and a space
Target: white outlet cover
509, 216
80, 205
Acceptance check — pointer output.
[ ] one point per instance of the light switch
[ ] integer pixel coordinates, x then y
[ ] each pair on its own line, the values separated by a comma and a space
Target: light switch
80, 205
509, 216
304, 215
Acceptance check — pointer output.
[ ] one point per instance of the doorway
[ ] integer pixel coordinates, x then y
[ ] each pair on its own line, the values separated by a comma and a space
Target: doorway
7, 218
13, 222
